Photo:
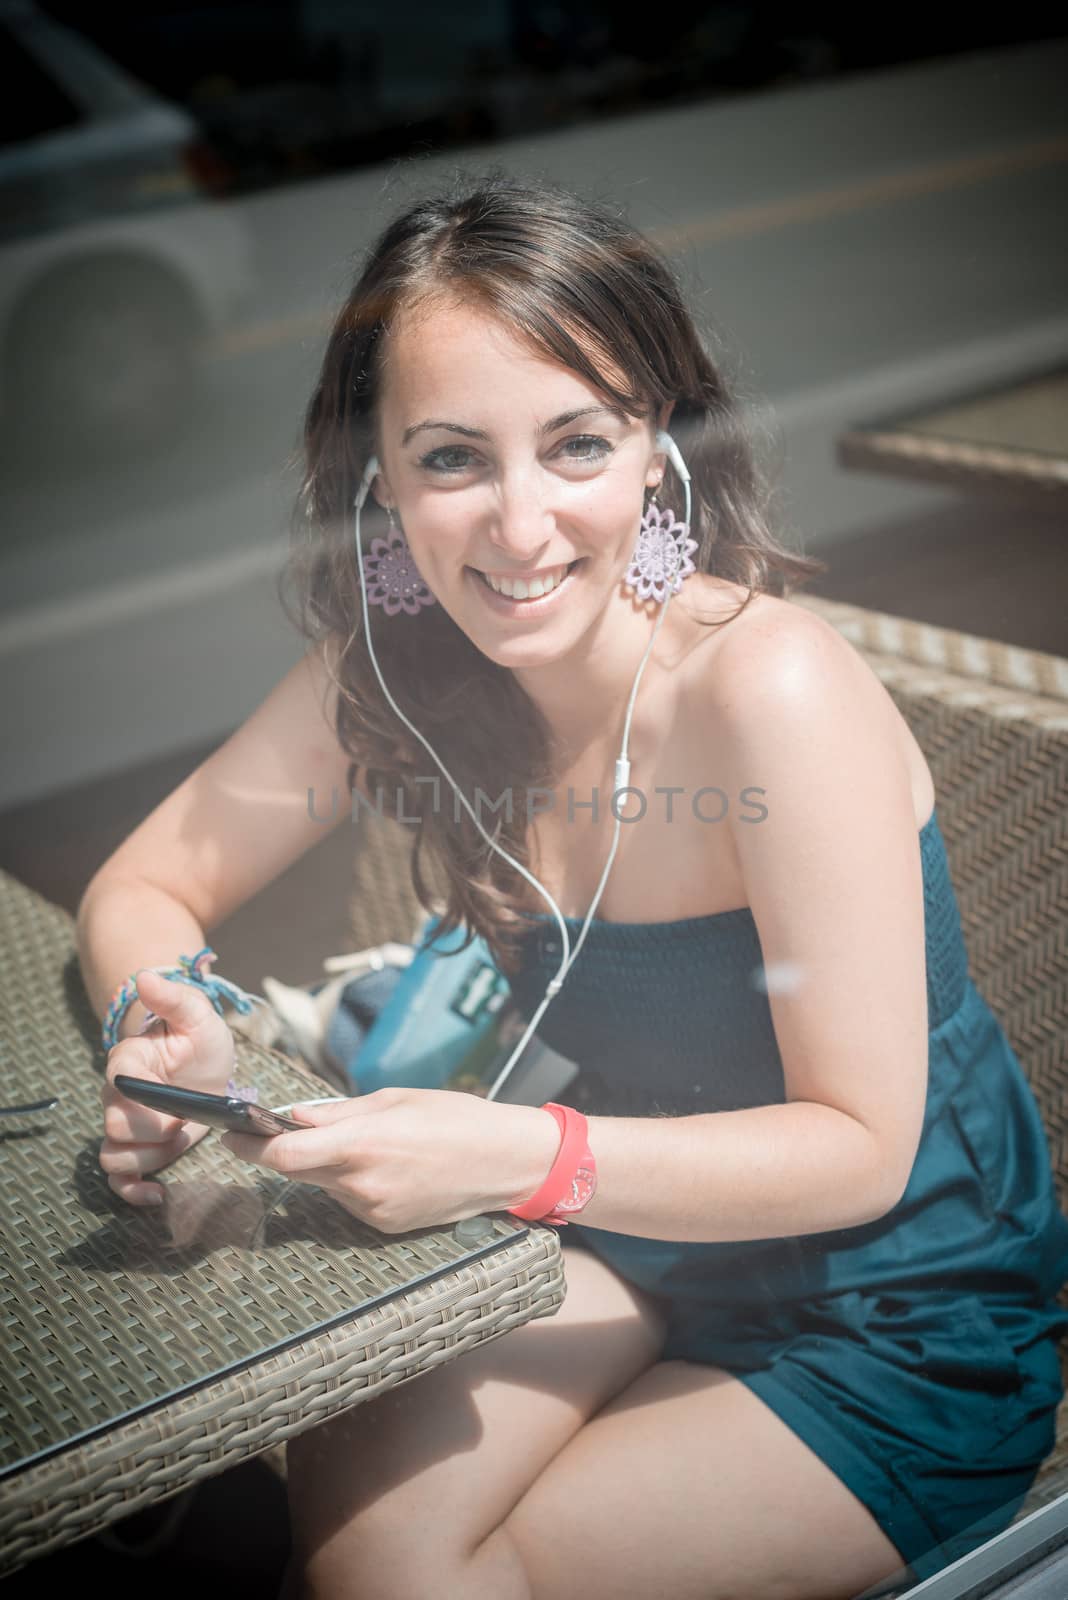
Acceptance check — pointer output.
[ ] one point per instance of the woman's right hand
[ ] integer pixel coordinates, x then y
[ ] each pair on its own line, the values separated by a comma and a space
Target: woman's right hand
196, 1051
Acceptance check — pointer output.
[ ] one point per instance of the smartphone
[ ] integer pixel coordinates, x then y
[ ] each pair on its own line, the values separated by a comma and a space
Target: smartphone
214, 1110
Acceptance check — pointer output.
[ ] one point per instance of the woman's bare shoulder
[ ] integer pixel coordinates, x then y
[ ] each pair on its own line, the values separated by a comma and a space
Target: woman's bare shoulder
779, 659
766, 644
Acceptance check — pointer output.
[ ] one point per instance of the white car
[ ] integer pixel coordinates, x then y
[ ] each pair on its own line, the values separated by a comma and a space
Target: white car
116, 264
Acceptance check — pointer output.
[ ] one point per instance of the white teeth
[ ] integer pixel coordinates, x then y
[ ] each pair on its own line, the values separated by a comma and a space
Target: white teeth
518, 589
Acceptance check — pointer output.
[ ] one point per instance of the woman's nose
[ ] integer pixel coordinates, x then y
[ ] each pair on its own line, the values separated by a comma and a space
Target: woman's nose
523, 523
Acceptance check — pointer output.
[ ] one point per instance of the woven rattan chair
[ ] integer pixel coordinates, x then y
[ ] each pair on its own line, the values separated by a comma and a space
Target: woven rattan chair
992, 721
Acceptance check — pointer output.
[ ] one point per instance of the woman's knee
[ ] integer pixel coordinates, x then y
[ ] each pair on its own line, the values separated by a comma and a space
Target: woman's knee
452, 1451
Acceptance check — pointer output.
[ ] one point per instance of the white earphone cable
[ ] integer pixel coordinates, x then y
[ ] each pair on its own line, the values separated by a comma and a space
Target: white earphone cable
622, 767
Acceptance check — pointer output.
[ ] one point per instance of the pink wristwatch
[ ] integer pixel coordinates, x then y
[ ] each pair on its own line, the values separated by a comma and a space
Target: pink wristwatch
572, 1180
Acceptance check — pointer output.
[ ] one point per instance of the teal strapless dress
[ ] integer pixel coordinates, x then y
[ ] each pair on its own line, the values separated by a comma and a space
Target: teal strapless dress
917, 1355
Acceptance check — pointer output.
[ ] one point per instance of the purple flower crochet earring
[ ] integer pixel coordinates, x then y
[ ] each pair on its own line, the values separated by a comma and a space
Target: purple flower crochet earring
392, 577
661, 558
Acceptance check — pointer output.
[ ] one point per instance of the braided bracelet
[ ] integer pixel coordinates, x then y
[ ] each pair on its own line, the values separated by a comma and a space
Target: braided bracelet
190, 969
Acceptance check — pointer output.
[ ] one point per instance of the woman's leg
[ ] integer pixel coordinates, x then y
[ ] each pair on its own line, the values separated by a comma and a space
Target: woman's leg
687, 1486
394, 1497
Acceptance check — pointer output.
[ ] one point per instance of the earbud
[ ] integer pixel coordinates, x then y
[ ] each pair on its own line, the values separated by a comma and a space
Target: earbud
665, 442
370, 472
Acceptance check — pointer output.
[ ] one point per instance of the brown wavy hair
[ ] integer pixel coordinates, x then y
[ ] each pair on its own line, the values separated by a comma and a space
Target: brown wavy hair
585, 289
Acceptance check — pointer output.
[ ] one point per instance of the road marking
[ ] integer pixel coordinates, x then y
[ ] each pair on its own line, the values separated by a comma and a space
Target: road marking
740, 222
132, 600
745, 221
263, 335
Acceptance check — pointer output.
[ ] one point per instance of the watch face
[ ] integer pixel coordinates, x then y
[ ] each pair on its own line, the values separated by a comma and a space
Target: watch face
583, 1186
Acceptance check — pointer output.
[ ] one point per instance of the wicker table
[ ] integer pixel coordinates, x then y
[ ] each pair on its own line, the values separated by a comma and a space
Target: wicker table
1013, 439
143, 1350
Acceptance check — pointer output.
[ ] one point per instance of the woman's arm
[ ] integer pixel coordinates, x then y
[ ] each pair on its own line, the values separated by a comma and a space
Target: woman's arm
123, 924
222, 835
833, 878
763, 1173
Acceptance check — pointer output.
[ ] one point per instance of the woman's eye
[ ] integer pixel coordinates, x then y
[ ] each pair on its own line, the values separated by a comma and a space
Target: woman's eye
586, 447
457, 458
450, 458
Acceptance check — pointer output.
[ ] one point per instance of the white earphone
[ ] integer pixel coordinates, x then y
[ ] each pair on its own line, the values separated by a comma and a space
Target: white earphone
666, 443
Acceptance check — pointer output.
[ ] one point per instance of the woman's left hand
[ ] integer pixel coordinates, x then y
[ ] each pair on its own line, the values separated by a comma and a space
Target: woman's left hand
413, 1158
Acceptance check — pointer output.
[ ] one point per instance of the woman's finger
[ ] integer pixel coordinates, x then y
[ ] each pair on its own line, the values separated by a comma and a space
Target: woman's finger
318, 1114
128, 1122
182, 1006
292, 1154
126, 1158
137, 1057
135, 1191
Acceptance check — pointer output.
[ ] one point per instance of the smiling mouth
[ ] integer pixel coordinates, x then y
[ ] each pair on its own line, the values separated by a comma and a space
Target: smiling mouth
529, 598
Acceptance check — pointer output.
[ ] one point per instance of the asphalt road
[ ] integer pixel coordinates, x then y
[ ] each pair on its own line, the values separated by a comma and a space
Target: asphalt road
851, 246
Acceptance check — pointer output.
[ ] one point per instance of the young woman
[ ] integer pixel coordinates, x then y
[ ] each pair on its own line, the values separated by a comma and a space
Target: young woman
810, 1331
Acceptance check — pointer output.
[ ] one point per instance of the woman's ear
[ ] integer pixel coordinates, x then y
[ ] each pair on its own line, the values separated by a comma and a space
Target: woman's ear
380, 490
658, 465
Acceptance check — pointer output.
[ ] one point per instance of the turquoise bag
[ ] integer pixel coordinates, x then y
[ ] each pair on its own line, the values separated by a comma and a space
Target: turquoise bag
436, 1022
446, 1020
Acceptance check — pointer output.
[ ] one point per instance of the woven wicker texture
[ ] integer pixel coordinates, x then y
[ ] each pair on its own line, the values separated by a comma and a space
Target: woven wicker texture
1015, 439
383, 903
121, 1325
953, 461
992, 720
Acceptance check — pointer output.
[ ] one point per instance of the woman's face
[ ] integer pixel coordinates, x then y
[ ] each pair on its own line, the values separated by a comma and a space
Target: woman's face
499, 461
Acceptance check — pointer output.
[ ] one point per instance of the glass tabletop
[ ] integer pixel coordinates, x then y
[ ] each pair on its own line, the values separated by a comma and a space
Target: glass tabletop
1015, 434
107, 1310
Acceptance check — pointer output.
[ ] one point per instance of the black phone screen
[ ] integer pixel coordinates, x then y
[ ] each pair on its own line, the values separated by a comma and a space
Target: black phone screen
213, 1110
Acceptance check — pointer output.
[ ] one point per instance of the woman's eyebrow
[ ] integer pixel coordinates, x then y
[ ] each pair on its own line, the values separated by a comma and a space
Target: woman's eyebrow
547, 427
